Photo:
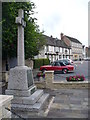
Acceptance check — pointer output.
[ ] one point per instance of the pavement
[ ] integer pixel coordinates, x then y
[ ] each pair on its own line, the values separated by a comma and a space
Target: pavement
68, 103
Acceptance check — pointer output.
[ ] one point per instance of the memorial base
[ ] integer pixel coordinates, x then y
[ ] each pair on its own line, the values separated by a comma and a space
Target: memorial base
27, 99
32, 106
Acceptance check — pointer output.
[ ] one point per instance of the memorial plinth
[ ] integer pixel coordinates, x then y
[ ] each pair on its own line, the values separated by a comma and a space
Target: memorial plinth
27, 99
21, 82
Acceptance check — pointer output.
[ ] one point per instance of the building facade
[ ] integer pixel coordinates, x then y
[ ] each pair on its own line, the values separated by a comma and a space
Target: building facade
54, 49
76, 46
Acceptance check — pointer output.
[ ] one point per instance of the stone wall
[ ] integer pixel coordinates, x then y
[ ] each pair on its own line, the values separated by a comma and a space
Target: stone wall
51, 84
5, 76
12, 62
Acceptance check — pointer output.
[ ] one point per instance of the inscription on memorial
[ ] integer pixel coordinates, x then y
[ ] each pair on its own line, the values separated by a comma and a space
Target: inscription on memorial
29, 78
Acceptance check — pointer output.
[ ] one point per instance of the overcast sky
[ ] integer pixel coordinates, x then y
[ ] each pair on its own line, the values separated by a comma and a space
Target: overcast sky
67, 16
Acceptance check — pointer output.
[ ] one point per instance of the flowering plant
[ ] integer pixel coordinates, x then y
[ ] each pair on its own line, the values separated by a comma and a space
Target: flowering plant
76, 78
41, 74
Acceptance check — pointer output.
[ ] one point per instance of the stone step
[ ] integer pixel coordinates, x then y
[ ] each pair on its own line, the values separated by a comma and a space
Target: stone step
34, 97
39, 104
32, 108
28, 100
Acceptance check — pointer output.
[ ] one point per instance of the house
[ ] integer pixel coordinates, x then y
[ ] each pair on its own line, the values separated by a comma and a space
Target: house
76, 46
54, 49
87, 52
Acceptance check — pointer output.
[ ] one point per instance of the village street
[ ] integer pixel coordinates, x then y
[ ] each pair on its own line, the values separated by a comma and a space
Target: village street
82, 68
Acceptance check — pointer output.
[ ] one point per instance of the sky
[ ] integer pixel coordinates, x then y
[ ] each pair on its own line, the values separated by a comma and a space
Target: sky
69, 17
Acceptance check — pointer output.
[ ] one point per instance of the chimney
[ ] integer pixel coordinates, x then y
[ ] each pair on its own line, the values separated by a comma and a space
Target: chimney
51, 36
61, 35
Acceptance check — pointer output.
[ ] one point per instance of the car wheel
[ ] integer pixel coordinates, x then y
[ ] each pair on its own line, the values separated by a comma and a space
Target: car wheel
64, 71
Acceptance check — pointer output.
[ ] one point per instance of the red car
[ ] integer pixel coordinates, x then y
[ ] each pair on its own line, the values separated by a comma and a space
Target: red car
58, 66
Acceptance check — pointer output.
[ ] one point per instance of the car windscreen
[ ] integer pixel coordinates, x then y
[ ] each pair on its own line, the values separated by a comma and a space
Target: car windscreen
62, 64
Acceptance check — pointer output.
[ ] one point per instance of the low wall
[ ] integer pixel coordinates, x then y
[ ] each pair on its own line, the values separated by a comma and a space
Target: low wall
5, 102
40, 84
3, 81
51, 84
4, 76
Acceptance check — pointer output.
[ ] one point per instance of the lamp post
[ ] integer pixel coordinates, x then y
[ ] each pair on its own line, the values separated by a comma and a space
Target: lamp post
57, 54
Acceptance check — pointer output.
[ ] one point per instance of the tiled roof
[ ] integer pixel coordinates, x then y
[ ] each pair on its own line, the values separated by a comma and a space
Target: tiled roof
55, 42
61, 43
73, 39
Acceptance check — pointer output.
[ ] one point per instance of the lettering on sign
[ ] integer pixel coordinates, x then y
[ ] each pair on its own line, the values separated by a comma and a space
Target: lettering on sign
29, 78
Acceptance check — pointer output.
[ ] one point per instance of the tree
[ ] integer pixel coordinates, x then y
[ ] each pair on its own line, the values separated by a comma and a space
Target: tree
33, 37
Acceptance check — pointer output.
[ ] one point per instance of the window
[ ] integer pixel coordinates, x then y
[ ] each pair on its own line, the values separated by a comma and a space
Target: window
59, 56
62, 50
65, 51
47, 49
62, 64
56, 64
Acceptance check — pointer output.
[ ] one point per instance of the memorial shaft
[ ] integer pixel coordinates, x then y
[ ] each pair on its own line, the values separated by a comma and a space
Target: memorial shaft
20, 50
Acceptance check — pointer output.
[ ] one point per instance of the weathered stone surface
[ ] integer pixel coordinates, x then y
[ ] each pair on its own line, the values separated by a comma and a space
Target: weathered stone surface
18, 78
32, 107
5, 102
20, 21
21, 83
21, 93
28, 100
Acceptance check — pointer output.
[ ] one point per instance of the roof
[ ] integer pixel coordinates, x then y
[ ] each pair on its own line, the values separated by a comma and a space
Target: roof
50, 41
61, 43
73, 39
55, 42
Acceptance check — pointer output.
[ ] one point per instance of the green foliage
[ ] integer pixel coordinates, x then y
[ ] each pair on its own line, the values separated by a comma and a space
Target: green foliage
40, 62
46, 61
33, 37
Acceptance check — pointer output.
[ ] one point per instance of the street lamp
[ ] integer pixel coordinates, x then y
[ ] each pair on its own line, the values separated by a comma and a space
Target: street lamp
57, 54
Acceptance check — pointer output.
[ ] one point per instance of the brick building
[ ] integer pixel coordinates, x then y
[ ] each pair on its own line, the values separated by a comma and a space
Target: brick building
75, 45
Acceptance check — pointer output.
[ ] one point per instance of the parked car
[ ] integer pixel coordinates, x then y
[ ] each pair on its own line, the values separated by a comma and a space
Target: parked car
87, 59
67, 61
58, 66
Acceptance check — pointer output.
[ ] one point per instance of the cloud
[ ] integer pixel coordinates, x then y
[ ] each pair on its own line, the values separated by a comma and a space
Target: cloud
67, 16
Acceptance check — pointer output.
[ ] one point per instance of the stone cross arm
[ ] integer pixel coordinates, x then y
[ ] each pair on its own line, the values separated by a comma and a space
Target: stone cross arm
20, 21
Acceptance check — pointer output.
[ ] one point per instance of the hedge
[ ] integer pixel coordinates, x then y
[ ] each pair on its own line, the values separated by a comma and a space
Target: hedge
40, 62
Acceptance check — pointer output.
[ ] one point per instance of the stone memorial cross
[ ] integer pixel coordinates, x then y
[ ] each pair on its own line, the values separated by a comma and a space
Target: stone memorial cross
27, 99
21, 24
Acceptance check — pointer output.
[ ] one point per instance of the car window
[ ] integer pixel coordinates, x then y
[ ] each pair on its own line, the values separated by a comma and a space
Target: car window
56, 64
62, 64
52, 63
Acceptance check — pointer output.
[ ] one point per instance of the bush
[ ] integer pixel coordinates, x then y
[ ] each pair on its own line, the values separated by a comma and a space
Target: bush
40, 62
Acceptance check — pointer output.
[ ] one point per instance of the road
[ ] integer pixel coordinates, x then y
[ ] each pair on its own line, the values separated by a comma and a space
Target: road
82, 68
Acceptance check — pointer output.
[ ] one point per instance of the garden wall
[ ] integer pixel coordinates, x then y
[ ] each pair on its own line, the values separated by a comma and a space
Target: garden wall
51, 84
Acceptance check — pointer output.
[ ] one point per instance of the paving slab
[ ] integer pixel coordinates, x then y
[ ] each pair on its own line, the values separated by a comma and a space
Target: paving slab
69, 103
